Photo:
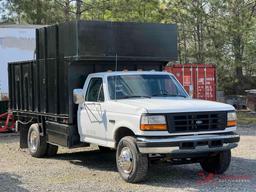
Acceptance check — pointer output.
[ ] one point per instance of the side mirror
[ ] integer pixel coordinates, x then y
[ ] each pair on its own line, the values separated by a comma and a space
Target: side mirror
78, 96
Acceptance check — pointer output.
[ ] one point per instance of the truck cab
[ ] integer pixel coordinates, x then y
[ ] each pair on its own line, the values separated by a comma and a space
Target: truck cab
149, 114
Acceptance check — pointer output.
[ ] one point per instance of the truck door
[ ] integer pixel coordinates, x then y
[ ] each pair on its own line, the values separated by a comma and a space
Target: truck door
92, 113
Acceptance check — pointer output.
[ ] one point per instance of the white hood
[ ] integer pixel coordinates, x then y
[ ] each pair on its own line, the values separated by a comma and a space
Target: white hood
168, 105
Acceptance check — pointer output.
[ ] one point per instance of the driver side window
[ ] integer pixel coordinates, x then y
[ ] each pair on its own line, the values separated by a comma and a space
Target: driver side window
95, 90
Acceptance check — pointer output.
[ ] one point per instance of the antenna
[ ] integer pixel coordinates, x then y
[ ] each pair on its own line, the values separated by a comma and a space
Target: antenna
115, 76
116, 63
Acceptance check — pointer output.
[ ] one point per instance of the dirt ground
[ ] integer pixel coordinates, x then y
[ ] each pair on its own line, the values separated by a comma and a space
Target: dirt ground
88, 169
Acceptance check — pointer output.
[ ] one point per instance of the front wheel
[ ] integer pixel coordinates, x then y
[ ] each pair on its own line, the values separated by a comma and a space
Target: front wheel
131, 164
217, 164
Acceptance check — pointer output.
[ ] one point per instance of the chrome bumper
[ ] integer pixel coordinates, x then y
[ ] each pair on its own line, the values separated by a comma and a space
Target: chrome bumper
188, 144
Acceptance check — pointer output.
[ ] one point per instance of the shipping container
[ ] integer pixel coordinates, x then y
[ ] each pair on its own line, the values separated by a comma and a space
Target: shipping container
42, 89
199, 80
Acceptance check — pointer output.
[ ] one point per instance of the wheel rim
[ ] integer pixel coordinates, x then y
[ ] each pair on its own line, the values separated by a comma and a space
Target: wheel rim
33, 140
125, 160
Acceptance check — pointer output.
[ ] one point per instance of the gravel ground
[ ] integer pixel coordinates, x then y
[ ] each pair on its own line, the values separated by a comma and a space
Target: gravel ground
91, 170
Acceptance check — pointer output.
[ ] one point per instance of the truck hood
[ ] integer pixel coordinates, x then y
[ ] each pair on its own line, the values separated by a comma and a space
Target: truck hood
169, 105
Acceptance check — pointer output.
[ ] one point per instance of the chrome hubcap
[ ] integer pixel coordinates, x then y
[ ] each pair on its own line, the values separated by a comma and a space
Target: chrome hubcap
125, 160
34, 140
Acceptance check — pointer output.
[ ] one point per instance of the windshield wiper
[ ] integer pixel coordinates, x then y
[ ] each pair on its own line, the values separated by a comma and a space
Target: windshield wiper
167, 95
135, 96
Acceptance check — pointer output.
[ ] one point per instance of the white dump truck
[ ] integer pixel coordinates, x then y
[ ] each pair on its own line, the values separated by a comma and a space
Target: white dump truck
121, 102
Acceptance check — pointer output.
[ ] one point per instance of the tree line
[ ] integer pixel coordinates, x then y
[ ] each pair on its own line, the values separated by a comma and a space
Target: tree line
221, 32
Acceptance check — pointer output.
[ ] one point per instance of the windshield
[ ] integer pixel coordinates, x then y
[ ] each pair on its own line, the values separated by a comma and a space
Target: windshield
129, 86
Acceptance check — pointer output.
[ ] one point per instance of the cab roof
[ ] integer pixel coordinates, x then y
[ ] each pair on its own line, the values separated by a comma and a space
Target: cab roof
114, 73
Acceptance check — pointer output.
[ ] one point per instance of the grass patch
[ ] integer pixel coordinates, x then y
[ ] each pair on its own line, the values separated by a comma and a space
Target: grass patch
246, 118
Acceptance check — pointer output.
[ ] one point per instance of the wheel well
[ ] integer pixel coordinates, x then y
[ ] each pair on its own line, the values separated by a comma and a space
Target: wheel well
122, 132
23, 129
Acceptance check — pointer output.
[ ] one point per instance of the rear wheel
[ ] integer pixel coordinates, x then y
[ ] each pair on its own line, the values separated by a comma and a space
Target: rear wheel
217, 164
37, 145
131, 164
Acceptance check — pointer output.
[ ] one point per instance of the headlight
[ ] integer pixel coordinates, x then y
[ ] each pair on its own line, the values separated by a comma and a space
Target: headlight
231, 119
153, 123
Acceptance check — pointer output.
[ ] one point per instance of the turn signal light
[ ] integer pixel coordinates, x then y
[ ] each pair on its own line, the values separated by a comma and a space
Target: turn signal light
153, 127
231, 123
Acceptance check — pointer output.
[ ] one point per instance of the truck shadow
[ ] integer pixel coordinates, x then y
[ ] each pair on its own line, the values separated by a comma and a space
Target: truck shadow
168, 175
93, 159
192, 176
11, 182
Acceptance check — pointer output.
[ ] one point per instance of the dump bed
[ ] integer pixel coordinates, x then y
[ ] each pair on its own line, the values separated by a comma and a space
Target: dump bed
104, 40
68, 52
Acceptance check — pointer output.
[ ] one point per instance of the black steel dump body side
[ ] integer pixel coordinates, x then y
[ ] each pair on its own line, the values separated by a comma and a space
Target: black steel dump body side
41, 90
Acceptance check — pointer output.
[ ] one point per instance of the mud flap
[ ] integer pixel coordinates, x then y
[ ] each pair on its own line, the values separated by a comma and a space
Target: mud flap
23, 135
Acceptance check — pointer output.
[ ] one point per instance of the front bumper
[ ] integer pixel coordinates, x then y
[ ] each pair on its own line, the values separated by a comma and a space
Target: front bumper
190, 144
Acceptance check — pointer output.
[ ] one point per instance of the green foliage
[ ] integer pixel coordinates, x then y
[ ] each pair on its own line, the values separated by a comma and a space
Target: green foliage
122, 10
33, 12
222, 32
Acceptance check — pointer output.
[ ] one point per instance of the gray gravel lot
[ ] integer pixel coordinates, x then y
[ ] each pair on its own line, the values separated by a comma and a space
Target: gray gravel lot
88, 169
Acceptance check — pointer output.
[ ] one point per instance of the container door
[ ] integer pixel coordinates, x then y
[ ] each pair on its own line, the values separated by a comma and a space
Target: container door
206, 82
188, 80
210, 84
200, 82
184, 75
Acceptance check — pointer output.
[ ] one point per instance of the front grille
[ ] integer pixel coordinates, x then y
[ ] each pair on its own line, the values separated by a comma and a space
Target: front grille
198, 121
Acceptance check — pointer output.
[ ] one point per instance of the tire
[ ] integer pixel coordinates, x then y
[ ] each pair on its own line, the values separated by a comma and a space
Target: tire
217, 164
51, 150
137, 164
37, 145
104, 149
